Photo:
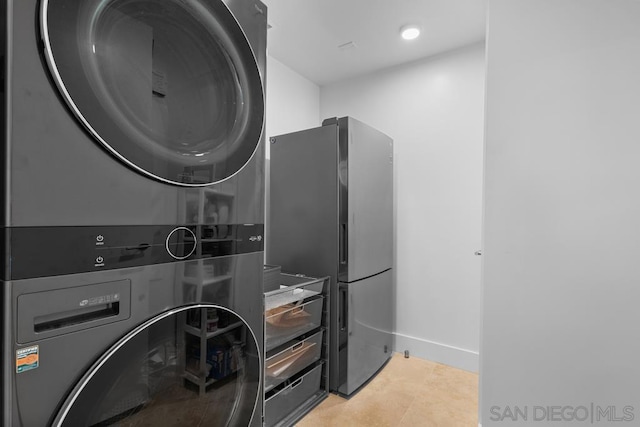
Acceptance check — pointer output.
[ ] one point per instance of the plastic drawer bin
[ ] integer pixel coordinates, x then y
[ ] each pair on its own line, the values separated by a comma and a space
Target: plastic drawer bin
283, 323
282, 402
287, 288
292, 360
293, 309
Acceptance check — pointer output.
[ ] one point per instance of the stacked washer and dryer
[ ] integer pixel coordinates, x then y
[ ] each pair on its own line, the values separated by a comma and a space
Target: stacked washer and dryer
133, 211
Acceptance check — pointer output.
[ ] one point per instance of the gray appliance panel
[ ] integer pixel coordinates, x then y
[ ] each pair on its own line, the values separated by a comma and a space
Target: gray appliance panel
56, 175
366, 333
369, 207
154, 289
303, 209
60, 176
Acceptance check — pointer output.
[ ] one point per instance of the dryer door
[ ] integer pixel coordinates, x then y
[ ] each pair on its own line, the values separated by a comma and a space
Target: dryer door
172, 88
197, 365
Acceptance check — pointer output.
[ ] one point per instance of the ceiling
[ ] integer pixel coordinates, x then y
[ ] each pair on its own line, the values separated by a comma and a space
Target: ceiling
331, 40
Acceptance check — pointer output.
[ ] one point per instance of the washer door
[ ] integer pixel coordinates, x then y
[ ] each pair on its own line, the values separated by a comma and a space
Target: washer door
170, 371
170, 87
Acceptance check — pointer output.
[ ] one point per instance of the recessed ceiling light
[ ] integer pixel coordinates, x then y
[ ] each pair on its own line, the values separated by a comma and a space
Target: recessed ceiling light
410, 32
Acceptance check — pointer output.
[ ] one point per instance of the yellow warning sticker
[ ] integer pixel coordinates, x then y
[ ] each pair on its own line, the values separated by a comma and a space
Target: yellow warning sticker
27, 358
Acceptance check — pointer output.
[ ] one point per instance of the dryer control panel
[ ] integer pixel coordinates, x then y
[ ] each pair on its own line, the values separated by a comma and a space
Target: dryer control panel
51, 251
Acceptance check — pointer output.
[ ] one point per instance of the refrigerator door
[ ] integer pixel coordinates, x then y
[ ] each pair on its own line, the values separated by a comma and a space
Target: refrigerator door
365, 324
303, 203
366, 200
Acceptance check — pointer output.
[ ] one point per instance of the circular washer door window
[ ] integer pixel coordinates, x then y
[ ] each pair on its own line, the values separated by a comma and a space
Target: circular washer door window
170, 87
192, 366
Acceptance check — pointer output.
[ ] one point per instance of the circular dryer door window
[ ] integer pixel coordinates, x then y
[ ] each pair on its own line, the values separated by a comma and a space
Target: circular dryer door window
196, 365
172, 88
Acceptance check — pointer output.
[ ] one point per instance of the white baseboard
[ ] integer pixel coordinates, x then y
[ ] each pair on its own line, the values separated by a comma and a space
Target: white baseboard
437, 352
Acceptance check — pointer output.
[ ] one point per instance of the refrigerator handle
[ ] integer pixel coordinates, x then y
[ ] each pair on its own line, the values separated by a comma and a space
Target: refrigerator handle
344, 308
343, 243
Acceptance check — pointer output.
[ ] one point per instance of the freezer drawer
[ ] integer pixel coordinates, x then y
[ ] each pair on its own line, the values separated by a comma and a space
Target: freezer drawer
364, 330
291, 360
285, 322
284, 401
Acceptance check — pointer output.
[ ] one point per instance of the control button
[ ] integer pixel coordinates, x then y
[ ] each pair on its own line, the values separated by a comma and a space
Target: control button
181, 243
99, 260
99, 238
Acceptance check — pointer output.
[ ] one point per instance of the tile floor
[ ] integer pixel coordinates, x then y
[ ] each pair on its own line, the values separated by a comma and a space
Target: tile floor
406, 393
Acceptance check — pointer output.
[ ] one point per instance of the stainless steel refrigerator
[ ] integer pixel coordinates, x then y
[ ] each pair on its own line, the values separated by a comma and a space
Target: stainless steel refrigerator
331, 214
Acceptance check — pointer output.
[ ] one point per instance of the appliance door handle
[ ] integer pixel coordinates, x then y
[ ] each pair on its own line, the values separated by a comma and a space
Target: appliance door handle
343, 243
141, 247
77, 316
344, 308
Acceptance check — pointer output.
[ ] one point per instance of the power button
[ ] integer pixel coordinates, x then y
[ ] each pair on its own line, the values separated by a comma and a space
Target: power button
181, 243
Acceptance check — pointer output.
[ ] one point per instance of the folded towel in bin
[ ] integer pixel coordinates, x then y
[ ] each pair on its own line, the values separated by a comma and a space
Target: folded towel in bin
278, 367
287, 316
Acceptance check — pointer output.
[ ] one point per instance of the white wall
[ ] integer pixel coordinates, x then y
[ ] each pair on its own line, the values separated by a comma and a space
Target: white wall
561, 320
293, 102
433, 109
